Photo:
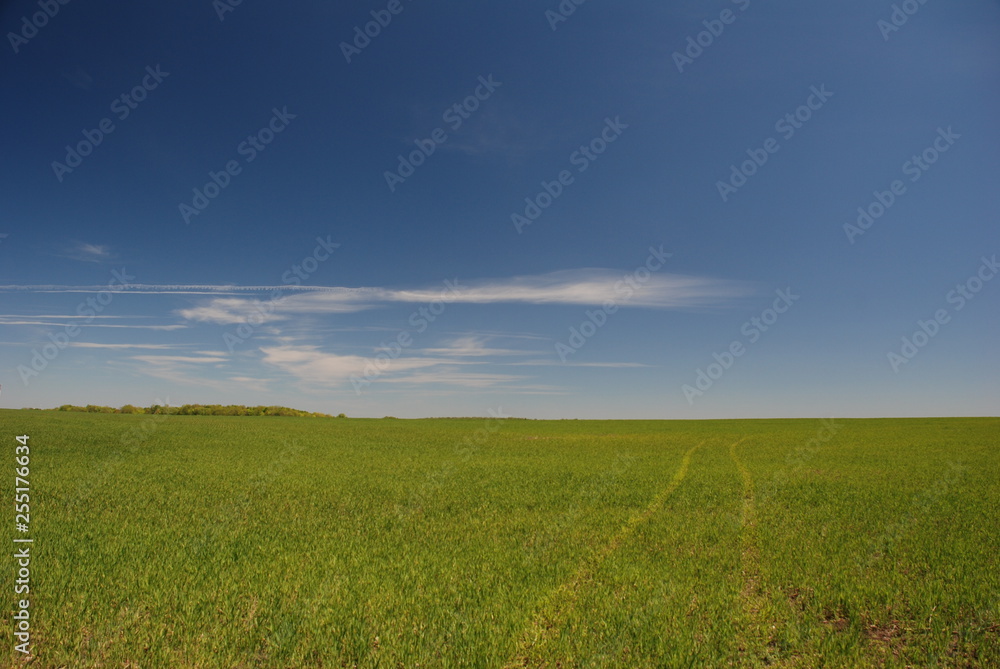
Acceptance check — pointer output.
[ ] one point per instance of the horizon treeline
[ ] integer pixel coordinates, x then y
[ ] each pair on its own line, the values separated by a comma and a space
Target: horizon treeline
198, 410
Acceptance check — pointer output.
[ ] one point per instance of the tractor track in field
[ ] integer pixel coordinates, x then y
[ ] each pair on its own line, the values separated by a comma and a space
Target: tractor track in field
755, 640
554, 610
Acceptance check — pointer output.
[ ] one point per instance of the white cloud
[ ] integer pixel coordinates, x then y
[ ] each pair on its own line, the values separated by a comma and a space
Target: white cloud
175, 359
88, 252
555, 363
81, 344
228, 311
589, 287
4, 321
234, 310
188, 370
453, 377
470, 346
583, 287
309, 363
65, 316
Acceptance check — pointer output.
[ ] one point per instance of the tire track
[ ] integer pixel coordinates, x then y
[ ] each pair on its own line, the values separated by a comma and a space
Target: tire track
555, 608
755, 641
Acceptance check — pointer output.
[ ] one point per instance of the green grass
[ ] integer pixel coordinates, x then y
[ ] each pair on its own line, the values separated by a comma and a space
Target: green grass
203, 541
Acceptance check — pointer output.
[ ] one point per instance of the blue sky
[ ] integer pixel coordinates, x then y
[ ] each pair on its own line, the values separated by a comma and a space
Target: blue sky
662, 275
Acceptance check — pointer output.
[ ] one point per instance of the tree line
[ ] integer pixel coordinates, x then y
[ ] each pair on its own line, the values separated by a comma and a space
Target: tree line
199, 410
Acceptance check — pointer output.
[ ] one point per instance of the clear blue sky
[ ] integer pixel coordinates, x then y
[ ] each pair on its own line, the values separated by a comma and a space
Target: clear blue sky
633, 127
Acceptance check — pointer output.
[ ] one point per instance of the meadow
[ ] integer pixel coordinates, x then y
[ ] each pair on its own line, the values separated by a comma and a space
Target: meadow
212, 541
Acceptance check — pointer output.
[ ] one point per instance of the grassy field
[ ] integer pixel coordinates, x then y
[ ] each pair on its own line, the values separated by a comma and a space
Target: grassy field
198, 541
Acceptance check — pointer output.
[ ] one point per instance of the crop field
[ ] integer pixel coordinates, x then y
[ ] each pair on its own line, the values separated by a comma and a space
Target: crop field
203, 541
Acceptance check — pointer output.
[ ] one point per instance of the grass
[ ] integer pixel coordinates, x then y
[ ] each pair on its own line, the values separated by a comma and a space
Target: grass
204, 541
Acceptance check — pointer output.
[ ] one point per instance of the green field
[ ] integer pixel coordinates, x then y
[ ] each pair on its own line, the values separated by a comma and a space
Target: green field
200, 541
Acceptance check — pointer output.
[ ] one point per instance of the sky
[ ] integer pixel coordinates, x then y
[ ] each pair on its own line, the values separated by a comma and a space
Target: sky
536, 209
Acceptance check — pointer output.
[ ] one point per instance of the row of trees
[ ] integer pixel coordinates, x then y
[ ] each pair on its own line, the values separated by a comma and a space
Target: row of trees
199, 410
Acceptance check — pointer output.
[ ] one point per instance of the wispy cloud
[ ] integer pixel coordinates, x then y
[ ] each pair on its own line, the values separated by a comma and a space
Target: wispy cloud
232, 310
201, 368
313, 366
555, 363
152, 347
226, 311
452, 377
174, 359
581, 287
6, 321
85, 252
470, 346
65, 316
586, 287
492, 133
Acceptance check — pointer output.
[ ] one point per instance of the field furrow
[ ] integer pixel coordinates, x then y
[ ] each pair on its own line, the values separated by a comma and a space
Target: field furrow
556, 607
